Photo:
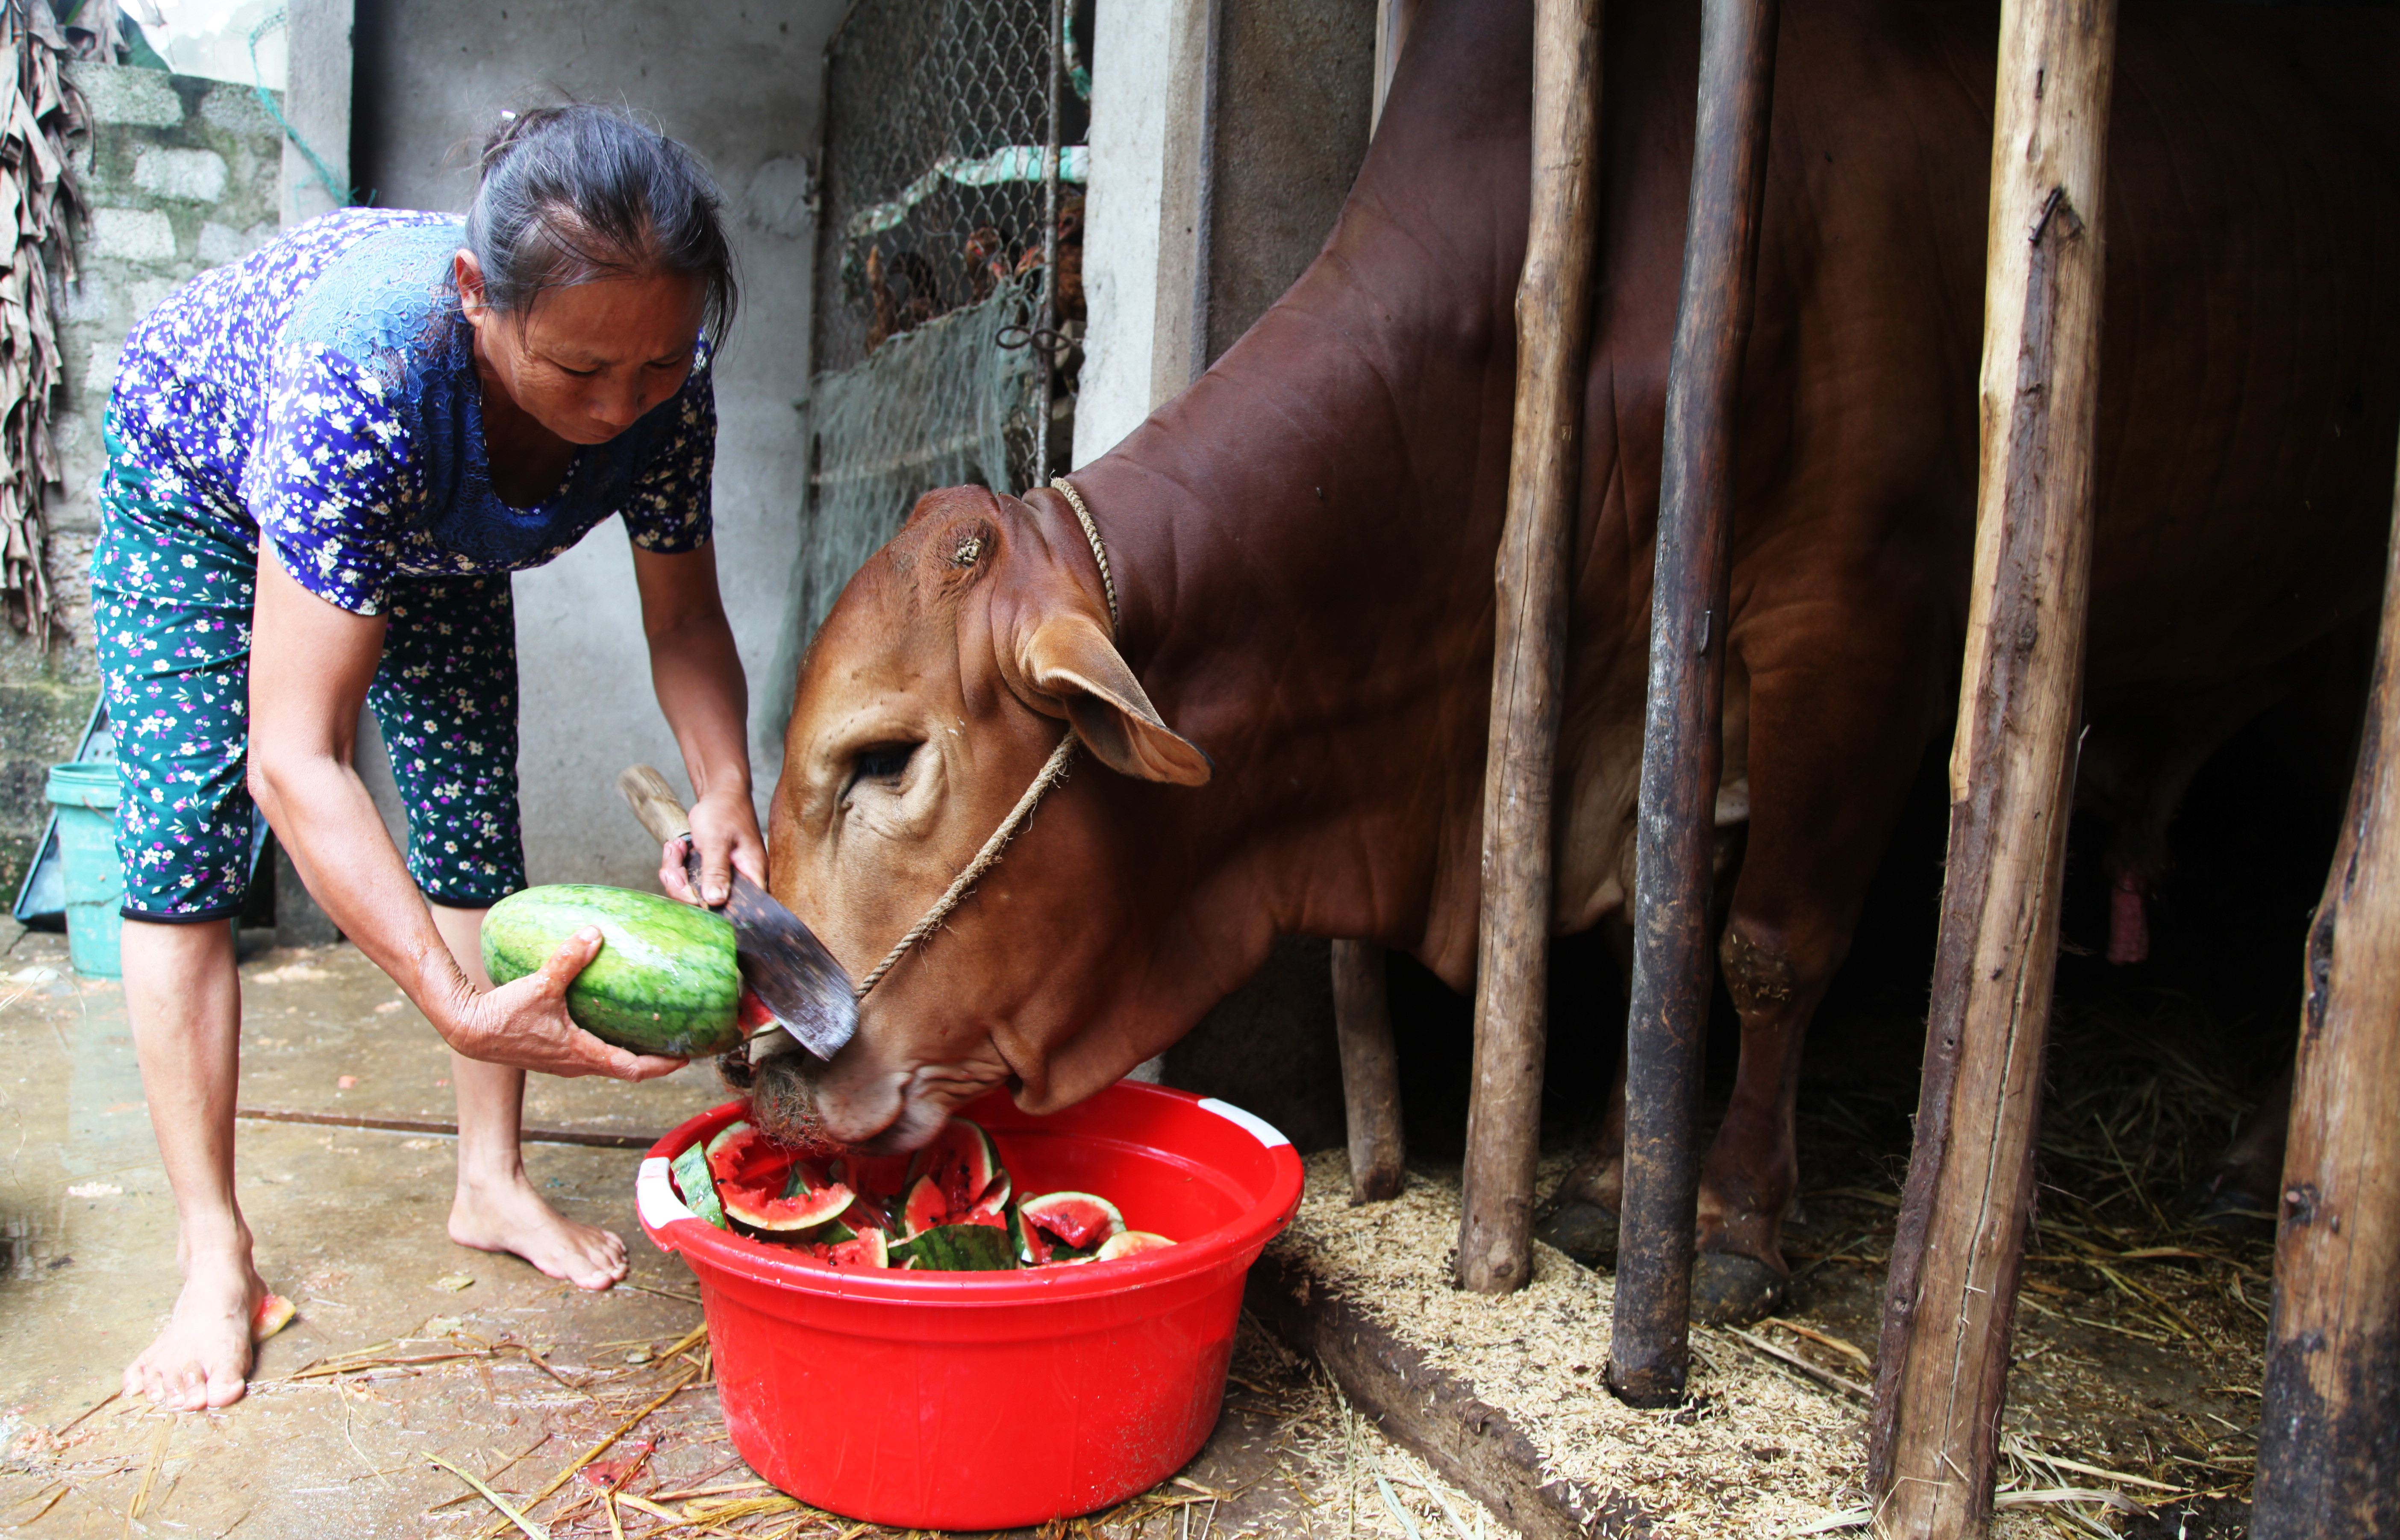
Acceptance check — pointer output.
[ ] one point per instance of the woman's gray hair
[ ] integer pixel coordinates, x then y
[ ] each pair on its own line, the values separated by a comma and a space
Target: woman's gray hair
576, 193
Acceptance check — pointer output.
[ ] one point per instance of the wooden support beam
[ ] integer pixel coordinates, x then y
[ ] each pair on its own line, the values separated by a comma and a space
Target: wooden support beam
1681, 746
1371, 1072
2329, 1438
1943, 1370
1554, 305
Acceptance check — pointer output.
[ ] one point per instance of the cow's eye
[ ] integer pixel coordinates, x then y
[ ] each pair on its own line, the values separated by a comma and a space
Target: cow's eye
881, 762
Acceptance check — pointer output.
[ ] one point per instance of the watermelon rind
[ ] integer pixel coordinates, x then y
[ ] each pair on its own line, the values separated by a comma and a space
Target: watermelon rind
956, 1249
1032, 1246
697, 1186
1079, 1220
665, 981
1129, 1243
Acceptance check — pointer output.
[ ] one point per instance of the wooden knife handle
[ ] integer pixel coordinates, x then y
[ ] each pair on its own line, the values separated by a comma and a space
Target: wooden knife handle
654, 802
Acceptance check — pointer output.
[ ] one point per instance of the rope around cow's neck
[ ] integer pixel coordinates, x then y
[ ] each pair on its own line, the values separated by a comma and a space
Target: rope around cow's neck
1054, 771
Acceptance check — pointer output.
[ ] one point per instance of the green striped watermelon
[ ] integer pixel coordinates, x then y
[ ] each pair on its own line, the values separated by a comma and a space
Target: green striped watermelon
664, 982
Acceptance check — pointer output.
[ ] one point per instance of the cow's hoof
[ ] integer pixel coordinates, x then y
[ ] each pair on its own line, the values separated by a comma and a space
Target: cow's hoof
1732, 1289
2220, 1202
1584, 1231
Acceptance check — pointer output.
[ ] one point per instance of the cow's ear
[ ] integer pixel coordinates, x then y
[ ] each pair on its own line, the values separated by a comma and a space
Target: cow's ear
1068, 659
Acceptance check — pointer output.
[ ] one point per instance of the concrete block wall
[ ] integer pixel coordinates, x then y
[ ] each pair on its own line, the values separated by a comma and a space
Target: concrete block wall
181, 175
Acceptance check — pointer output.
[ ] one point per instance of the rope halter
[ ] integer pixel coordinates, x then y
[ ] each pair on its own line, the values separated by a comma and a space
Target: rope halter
1054, 771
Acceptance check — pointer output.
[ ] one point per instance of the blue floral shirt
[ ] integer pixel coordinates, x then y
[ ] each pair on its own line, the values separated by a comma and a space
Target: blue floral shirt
323, 391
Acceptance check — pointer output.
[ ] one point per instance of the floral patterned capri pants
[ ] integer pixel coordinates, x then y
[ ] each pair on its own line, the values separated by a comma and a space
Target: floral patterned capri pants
171, 600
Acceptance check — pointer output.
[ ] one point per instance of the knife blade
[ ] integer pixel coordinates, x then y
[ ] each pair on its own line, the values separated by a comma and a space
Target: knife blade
781, 959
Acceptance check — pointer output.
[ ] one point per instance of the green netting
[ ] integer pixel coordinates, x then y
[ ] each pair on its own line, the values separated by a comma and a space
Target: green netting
943, 406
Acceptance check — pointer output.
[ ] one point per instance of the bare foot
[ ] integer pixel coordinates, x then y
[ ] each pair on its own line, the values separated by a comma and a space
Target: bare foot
202, 1358
508, 1215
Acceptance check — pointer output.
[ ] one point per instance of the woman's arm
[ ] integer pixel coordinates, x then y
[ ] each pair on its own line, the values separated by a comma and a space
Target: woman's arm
698, 676
310, 663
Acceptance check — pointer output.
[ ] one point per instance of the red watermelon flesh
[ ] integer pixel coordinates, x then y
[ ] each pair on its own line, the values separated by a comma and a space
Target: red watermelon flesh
874, 1176
927, 1207
750, 1159
867, 1251
802, 1210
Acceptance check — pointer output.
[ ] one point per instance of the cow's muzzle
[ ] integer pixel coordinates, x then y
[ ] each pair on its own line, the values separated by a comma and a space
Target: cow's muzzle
847, 1104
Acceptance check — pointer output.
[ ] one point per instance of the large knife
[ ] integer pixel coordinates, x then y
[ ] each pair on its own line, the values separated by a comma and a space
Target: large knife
781, 959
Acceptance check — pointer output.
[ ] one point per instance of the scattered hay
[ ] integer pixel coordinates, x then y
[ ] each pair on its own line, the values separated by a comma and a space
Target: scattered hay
1757, 1450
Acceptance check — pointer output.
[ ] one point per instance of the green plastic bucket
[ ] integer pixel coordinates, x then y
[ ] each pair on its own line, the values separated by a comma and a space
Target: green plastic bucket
84, 791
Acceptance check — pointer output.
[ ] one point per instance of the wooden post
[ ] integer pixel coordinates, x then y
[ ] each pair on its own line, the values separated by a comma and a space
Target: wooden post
2329, 1438
1682, 748
1554, 302
1371, 1072
1943, 1370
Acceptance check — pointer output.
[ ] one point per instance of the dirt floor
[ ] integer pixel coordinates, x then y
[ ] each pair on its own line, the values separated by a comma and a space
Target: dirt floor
408, 1347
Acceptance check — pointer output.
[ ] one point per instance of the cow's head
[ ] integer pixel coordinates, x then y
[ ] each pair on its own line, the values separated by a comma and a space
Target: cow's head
939, 687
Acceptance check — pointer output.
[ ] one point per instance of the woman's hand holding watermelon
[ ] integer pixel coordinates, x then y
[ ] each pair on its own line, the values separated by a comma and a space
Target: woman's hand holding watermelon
526, 1025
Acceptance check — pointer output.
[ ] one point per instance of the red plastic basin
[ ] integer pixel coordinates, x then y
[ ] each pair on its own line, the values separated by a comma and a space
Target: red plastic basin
981, 1402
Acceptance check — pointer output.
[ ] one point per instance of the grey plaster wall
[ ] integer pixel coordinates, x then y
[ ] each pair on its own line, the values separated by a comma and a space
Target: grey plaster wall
181, 175
1295, 89
741, 83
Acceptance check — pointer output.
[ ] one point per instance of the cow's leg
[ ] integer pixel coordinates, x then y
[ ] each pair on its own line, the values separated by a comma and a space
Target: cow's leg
2240, 1193
1580, 1218
1839, 719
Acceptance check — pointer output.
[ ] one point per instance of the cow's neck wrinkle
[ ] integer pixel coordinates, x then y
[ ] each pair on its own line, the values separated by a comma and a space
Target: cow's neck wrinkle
1298, 609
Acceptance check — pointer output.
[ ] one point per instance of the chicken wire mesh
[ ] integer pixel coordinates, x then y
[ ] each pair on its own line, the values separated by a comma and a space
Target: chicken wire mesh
937, 122
931, 318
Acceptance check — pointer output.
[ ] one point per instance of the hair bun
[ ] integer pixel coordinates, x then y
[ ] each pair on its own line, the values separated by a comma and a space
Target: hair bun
574, 193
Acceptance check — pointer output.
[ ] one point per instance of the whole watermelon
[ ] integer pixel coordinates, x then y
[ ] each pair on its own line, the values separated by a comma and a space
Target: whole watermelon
664, 983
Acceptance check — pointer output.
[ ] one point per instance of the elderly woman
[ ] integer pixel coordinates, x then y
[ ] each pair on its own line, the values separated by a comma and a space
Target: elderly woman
324, 462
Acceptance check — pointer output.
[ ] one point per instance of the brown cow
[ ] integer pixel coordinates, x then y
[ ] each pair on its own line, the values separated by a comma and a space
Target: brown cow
1303, 541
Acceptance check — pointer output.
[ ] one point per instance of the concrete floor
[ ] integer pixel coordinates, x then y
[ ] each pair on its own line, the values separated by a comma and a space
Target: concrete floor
349, 1225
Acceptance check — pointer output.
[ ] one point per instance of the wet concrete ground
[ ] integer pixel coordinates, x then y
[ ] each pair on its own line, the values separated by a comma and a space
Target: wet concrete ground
408, 1346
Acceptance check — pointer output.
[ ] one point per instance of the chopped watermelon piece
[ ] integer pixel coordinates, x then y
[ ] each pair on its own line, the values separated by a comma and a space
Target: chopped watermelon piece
802, 1205
750, 1159
698, 1185
1077, 1219
995, 1197
274, 1313
1129, 1243
952, 1207
962, 1161
927, 1207
957, 1249
863, 1251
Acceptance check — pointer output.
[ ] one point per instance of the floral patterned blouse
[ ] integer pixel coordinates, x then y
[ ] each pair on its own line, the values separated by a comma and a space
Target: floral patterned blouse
323, 391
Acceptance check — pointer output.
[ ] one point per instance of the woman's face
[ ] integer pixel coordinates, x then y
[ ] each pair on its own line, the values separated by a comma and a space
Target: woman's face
586, 361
